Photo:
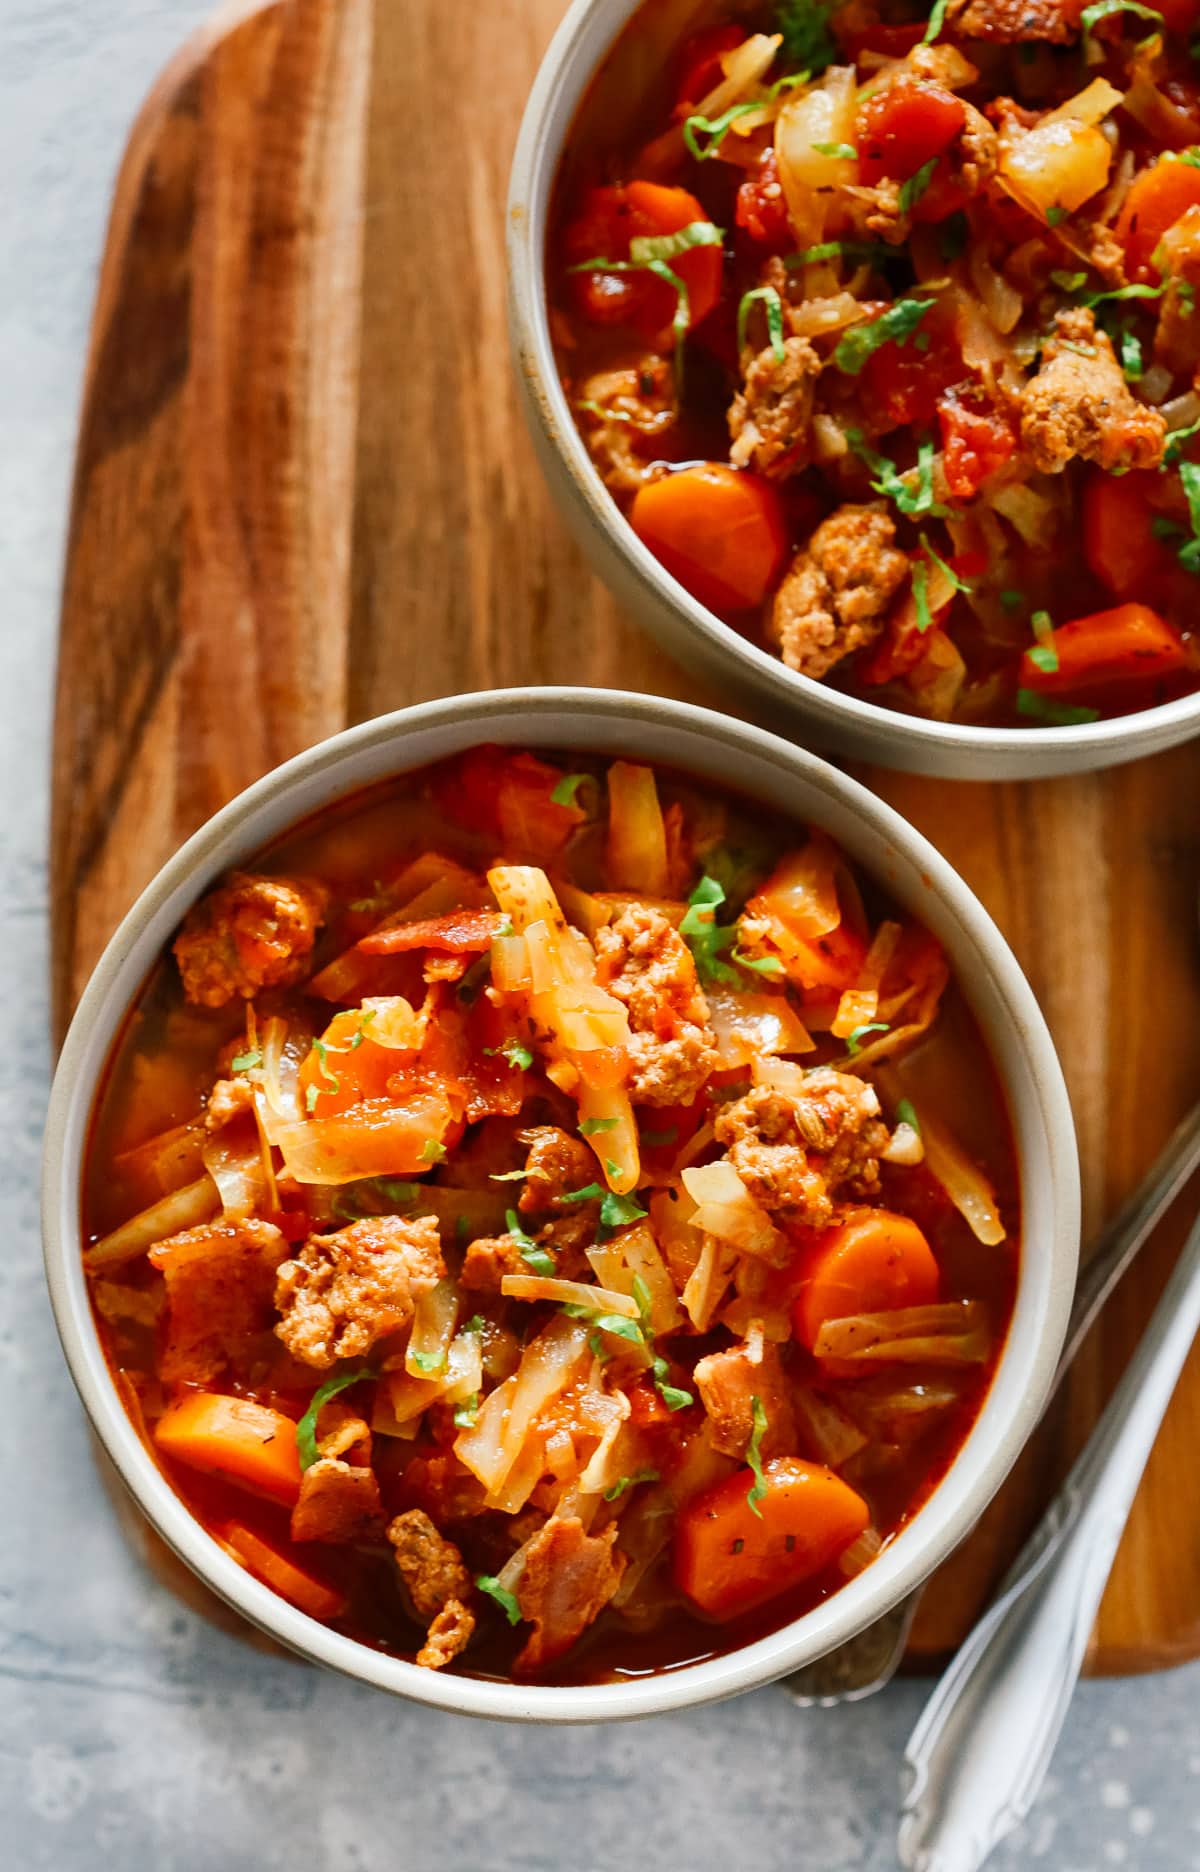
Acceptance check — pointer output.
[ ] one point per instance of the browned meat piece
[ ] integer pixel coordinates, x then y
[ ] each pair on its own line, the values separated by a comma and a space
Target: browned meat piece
489, 1259
796, 1155
626, 417
338, 1502
228, 1099
252, 933
646, 964
1017, 22
769, 418
341, 1429
219, 1280
568, 1580
431, 1566
1078, 403
343, 1292
1177, 336
876, 210
834, 599
448, 1634
730, 1381
976, 151
556, 1165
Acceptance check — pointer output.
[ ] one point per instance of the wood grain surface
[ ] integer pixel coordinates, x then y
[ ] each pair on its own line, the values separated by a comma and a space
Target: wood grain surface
303, 497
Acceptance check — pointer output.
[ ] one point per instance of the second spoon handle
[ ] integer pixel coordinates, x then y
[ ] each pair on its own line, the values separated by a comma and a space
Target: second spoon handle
982, 1747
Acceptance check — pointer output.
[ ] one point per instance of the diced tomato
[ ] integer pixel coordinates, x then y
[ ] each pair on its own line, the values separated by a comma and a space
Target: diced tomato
905, 126
1118, 531
700, 61
509, 795
460, 931
609, 218
716, 529
904, 642
975, 442
1156, 199
905, 381
1127, 644
761, 208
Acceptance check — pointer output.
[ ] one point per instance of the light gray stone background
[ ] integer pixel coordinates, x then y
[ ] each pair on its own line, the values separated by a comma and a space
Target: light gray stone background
132, 1734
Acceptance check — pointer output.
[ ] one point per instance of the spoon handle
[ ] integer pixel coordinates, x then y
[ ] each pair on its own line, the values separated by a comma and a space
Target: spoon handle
981, 1749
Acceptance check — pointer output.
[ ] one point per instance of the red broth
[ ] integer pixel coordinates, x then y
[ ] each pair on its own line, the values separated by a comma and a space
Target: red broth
684, 1387
909, 399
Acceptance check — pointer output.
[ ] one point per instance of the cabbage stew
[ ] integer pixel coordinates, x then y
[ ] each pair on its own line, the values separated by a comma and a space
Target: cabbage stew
880, 324
549, 1219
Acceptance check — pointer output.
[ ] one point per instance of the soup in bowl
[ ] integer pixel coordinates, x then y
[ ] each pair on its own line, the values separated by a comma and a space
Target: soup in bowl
552, 1219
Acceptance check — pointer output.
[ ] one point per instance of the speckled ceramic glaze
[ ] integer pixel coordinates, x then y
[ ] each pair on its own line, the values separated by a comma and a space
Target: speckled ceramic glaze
783, 779
789, 702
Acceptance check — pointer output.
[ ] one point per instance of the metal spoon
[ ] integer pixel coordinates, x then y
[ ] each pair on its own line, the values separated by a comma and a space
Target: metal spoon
980, 1752
866, 1663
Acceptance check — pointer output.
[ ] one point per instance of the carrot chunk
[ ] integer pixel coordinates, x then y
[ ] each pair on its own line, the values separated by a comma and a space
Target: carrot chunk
1118, 531
1156, 199
719, 531
729, 1558
234, 1438
869, 1264
1128, 642
293, 1583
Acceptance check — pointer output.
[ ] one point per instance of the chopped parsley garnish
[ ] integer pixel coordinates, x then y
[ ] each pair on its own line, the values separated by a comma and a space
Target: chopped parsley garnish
566, 792
937, 19
432, 1152
507, 1176
706, 940
536, 1259
896, 325
807, 41
672, 1395
915, 501
619, 1326
683, 308
615, 1212
1058, 714
1012, 600
473, 980
645, 249
306, 1429
589, 1127
591, 1192
360, 1033
912, 190
1055, 216
906, 1113
1189, 554
331, 1081
1104, 9
714, 128
855, 1038
242, 1062
616, 1489
1044, 655
844, 152
1126, 292
773, 307
642, 1299
762, 965
519, 1057
429, 1362
1069, 282
832, 250
920, 592
1175, 442
467, 1414
758, 1417
489, 1584
1129, 349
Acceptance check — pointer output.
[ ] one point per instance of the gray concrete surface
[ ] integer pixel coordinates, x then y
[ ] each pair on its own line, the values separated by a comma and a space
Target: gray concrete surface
130, 1733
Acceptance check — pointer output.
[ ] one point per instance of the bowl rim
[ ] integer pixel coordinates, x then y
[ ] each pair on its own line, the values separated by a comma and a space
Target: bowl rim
584, 36
673, 733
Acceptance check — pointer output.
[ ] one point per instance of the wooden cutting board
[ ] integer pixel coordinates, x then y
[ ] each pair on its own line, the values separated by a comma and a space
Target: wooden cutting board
304, 496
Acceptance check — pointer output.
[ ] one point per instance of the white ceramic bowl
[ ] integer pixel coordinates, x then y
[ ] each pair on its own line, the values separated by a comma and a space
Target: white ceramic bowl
791, 703
784, 779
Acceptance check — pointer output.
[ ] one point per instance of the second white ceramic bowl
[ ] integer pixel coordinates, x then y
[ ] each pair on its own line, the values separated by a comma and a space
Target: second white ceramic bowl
784, 780
789, 702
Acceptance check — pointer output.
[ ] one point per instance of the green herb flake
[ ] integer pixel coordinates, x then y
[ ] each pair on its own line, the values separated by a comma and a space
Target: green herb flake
834, 250
467, 1414
428, 1363
311, 1095
306, 1429
616, 1489
912, 190
1189, 553
1058, 714
1069, 282
642, 1299
489, 1584
1012, 600
507, 1176
645, 249
1126, 292
243, 1062
920, 592
1091, 16
432, 1152
706, 940
360, 1032
591, 1127
1055, 216
807, 41
1044, 655
567, 790
895, 326
673, 1396
841, 152
615, 1212
714, 129
912, 490
536, 1259
472, 982
761, 965
937, 19
772, 305
519, 1057
1175, 442
758, 1417
591, 1192
855, 1038
906, 1113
